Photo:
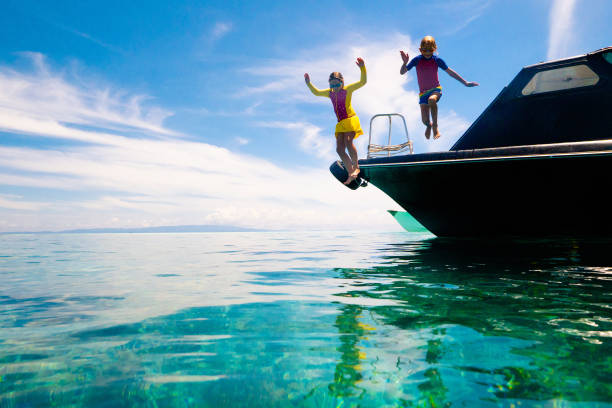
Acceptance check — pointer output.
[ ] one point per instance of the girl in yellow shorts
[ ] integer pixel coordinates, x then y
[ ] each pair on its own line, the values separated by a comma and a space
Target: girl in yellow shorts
348, 127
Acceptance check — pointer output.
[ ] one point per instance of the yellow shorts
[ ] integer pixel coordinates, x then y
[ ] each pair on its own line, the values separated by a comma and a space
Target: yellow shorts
349, 125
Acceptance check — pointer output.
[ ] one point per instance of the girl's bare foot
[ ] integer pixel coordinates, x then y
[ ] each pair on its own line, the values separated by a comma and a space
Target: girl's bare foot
436, 132
427, 131
355, 173
350, 179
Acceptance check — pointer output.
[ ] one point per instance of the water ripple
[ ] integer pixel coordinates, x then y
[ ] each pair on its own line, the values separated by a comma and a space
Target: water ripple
303, 319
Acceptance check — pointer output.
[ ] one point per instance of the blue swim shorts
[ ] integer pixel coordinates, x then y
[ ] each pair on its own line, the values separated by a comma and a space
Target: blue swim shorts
423, 97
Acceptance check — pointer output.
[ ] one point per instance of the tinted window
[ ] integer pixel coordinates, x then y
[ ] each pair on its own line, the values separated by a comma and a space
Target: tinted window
558, 79
608, 57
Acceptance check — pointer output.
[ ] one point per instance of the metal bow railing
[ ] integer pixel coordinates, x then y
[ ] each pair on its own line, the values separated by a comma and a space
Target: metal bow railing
375, 150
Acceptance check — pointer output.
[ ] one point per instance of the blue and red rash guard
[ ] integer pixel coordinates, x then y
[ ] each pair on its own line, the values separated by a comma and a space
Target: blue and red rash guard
427, 71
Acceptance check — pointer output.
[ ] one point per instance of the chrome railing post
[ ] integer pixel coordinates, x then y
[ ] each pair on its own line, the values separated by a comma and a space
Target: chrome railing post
389, 142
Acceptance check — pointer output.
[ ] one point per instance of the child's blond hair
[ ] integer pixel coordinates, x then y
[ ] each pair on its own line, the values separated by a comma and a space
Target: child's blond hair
428, 42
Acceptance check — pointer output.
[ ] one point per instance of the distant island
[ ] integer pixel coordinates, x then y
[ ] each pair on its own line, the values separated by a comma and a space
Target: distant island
174, 228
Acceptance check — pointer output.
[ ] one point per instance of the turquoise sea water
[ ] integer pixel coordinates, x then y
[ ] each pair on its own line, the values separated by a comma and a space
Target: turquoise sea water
267, 319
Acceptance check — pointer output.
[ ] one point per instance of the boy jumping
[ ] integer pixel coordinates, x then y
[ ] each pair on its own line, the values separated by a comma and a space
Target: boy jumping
430, 90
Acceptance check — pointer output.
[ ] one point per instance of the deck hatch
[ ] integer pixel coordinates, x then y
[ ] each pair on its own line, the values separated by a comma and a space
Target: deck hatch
576, 76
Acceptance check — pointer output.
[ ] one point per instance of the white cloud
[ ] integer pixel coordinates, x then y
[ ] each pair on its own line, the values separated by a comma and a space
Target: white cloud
248, 111
561, 31
463, 13
31, 102
14, 202
88, 37
310, 138
133, 171
221, 29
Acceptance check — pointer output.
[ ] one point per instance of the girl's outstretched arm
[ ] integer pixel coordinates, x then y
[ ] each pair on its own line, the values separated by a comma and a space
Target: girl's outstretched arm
362, 81
458, 78
313, 89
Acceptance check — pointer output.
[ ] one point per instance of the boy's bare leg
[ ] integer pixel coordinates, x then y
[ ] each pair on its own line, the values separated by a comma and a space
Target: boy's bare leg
433, 106
425, 119
352, 151
346, 160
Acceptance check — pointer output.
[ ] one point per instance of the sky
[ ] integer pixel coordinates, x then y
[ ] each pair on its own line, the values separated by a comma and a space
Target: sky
149, 113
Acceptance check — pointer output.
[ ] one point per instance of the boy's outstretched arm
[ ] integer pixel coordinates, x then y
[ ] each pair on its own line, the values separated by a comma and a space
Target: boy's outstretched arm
405, 59
458, 78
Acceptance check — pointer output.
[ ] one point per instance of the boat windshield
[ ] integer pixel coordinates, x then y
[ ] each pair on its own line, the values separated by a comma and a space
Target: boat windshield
558, 79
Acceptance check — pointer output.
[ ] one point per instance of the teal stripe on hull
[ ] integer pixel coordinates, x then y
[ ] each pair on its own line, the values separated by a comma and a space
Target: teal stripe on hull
407, 221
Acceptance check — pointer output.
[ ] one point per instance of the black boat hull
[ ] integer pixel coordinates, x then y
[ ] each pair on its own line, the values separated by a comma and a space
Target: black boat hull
520, 195
535, 163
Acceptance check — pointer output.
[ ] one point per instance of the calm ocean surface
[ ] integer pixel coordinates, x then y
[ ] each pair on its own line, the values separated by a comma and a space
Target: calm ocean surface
320, 319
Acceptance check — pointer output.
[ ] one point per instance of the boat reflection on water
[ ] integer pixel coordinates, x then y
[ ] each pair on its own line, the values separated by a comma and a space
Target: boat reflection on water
506, 320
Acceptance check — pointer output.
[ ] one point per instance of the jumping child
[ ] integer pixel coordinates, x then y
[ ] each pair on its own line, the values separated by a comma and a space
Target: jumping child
430, 90
348, 127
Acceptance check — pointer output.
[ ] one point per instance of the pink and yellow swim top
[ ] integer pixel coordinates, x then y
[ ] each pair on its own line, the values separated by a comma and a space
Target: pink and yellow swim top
341, 99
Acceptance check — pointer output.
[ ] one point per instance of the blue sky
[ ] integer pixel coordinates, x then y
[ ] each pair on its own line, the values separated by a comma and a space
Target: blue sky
119, 114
